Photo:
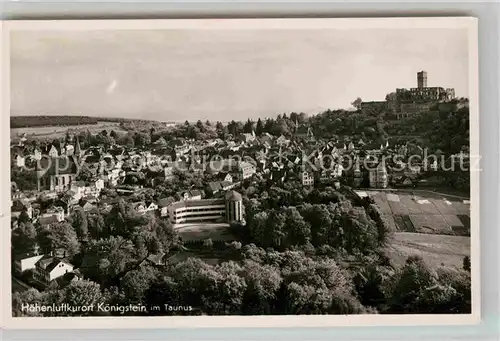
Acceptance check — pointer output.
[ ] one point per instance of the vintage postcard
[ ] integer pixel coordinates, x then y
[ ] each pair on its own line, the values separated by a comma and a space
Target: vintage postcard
240, 173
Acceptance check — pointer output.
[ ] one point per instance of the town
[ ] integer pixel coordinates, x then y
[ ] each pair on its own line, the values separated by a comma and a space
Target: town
149, 212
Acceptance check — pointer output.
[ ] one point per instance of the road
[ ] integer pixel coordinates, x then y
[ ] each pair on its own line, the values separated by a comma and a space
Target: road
18, 286
413, 191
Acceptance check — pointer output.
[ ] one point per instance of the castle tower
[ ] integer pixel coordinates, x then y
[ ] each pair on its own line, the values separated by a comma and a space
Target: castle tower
421, 79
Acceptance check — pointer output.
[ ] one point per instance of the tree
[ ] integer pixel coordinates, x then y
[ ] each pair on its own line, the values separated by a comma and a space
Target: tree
80, 223
357, 103
24, 237
195, 283
142, 139
313, 287
248, 127
23, 217
280, 127
230, 289
200, 126
263, 285
60, 236
298, 230
30, 296
82, 293
136, 282
106, 260
25, 180
84, 173
408, 283
259, 128
466, 263
128, 141
97, 227
320, 220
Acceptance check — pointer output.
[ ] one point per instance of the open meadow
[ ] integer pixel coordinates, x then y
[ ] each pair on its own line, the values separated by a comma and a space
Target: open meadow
52, 132
435, 250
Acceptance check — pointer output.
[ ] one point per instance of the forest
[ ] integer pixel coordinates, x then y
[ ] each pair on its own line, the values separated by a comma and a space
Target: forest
43, 121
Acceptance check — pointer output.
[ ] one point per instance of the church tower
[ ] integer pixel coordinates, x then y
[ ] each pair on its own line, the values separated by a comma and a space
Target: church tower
78, 150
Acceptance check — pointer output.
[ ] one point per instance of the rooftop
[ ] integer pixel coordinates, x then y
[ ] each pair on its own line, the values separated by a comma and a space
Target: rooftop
198, 203
233, 196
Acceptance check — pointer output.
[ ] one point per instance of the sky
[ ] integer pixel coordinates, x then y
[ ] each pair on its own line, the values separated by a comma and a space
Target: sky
177, 75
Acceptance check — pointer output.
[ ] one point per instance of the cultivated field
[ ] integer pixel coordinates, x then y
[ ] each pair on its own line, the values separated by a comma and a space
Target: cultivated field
51, 132
424, 212
436, 250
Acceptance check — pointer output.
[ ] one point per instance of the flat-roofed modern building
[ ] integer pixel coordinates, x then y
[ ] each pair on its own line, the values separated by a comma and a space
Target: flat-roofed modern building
228, 209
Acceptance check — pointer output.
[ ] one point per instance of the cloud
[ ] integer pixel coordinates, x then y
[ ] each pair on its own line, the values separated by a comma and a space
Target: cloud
111, 87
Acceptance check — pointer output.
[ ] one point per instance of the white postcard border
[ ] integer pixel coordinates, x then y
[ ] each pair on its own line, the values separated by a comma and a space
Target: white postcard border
9, 322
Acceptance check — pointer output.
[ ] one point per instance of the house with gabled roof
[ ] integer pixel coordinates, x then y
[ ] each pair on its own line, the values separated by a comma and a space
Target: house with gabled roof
151, 206
50, 268
163, 204
55, 211
158, 259
26, 261
107, 204
53, 152
214, 187
139, 207
189, 195
282, 141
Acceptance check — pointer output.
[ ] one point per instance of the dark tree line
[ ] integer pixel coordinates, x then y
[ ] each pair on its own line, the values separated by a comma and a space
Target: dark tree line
41, 121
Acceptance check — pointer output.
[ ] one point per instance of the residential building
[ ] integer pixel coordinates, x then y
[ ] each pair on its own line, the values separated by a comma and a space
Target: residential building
245, 170
53, 152
282, 141
69, 150
163, 204
378, 176
50, 268
247, 138
20, 161
307, 178
37, 154
168, 172
189, 195
26, 261
151, 206
214, 187
86, 206
20, 205
357, 174
78, 189
139, 207
56, 212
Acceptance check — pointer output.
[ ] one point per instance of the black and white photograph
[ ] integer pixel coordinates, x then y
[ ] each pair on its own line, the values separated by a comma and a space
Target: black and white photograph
292, 169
